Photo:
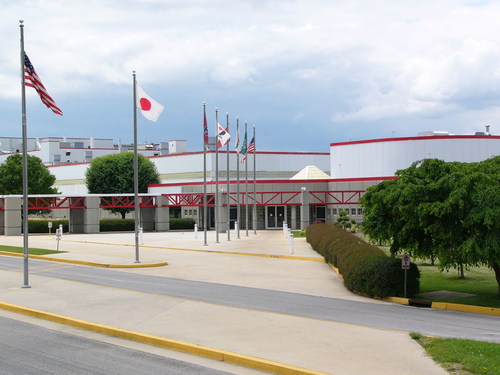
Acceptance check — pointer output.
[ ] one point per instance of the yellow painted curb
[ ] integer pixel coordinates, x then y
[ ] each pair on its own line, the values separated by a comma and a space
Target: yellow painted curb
438, 305
400, 300
336, 270
467, 308
85, 263
292, 257
199, 350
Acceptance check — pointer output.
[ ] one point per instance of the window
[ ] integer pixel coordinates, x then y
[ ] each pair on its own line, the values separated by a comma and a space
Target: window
334, 211
360, 211
353, 211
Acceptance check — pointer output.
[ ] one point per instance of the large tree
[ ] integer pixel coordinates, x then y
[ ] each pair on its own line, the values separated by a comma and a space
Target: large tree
436, 208
114, 174
40, 180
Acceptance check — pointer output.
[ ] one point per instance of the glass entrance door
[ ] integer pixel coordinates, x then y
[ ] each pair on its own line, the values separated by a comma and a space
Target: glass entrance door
275, 217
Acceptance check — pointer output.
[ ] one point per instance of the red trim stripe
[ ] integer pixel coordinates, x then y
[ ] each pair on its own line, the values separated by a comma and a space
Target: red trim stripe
422, 138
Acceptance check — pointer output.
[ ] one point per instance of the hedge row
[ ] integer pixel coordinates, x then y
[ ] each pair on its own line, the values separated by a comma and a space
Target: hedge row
41, 225
105, 225
366, 269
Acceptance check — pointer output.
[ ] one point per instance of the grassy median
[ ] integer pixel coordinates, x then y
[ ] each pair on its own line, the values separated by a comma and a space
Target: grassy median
34, 251
462, 356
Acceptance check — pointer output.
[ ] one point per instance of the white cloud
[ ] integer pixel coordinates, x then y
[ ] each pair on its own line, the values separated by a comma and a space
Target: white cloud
351, 60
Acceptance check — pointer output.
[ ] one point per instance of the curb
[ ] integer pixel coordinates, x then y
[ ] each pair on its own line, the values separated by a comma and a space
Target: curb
292, 257
198, 350
436, 305
85, 263
449, 306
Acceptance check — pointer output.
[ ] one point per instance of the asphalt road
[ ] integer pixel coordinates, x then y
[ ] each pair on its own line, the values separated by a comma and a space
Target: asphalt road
443, 323
29, 349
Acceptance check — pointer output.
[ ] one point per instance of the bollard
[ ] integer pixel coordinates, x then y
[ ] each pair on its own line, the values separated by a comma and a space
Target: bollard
195, 230
237, 229
140, 236
58, 237
292, 250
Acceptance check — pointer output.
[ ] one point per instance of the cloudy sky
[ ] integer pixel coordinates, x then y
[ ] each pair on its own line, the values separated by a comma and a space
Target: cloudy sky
306, 73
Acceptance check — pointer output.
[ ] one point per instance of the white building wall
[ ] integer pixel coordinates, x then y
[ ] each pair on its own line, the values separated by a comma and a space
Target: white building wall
382, 158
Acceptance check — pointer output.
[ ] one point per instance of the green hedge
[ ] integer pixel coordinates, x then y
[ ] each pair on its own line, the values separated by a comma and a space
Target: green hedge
105, 225
41, 225
366, 269
116, 225
181, 223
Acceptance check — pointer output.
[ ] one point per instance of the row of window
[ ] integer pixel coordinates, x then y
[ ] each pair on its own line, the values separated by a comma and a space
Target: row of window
350, 211
332, 212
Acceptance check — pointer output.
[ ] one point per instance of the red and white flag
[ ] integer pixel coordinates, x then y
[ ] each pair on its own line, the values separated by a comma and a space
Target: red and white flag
222, 136
149, 107
31, 79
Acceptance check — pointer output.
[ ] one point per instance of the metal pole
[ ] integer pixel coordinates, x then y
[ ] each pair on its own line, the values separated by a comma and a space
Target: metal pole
406, 276
136, 175
216, 176
254, 186
238, 207
228, 195
246, 186
205, 146
25, 166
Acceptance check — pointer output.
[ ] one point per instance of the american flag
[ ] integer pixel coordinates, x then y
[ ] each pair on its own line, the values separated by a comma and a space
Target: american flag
250, 149
31, 79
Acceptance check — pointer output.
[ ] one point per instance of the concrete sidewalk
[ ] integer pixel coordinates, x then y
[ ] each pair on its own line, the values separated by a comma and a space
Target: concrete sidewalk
261, 261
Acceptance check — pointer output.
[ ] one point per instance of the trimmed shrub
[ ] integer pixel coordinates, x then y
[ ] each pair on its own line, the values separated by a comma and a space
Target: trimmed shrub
116, 225
42, 225
181, 223
366, 269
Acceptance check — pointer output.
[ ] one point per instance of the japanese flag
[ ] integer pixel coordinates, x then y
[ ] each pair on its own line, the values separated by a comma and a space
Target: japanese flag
150, 108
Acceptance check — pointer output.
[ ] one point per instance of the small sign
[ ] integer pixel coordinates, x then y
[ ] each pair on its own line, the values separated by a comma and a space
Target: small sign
405, 262
49, 224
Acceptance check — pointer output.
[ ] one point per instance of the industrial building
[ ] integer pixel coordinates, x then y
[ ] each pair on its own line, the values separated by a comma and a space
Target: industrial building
293, 187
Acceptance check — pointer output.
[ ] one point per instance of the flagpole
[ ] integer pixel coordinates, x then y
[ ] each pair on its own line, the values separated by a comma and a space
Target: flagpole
205, 145
238, 207
254, 186
216, 213
25, 166
227, 189
246, 185
136, 174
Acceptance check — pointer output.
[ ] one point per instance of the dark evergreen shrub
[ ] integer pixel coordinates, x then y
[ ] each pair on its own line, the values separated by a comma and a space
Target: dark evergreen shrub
366, 269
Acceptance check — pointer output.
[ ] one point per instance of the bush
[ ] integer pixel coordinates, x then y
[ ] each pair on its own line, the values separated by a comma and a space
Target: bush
181, 223
42, 225
365, 268
116, 225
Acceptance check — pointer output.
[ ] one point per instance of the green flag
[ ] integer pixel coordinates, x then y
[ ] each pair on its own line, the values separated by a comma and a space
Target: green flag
244, 145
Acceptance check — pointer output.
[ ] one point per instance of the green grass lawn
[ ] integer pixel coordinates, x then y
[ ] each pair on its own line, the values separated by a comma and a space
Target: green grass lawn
462, 356
479, 281
34, 251
299, 233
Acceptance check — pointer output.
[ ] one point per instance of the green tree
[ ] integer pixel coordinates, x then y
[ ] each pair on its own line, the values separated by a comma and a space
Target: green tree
343, 221
439, 209
40, 180
114, 174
